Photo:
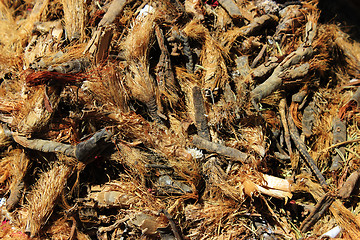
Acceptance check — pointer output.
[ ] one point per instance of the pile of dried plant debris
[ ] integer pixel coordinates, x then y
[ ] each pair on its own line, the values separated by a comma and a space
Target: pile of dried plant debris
173, 119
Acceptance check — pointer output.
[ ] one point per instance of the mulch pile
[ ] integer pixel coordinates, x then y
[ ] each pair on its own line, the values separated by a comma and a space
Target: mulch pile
172, 119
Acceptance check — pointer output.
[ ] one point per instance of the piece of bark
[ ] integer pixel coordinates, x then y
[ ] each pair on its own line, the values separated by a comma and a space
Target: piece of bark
184, 39
259, 56
231, 7
165, 77
295, 72
346, 190
308, 119
94, 145
178, 234
101, 38
73, 66
45, 145
220, 149
339, 135
82, 151
74, 18
115, 9
200, 114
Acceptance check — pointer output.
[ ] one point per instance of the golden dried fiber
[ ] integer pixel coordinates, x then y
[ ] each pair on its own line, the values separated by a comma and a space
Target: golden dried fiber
43, 196
212, 56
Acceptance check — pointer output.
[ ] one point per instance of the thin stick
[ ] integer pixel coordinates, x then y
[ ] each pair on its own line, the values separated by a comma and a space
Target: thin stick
259, 56
338, 144
173, 226
320, 208
300, 145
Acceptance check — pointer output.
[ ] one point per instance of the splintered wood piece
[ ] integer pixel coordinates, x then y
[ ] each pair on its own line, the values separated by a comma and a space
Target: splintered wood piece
200, 114
220, 149
115, 9
74, 18
165, 76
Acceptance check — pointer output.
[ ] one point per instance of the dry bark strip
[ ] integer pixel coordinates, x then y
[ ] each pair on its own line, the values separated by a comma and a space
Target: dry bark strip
308, 119
184, 39
339, 135
231, 7
200, 118
164, 75
300, 145
346, 190
100, 41
220, 149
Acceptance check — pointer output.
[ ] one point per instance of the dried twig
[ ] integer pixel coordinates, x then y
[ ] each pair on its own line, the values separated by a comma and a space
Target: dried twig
258, 24
220, 149
82, 151
174, 228
276, 79
300, 145
259, 56
320, 208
